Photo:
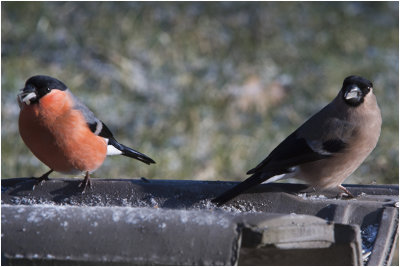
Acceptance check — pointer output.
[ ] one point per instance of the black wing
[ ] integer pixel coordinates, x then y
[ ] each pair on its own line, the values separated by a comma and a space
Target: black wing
291, 152
102, 130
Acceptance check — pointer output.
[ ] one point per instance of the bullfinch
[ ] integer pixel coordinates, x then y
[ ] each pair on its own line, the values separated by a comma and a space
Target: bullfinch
325, 149
63, 133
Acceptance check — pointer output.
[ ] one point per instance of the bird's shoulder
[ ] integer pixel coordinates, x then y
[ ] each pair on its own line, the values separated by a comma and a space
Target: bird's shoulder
95, 125
321, 136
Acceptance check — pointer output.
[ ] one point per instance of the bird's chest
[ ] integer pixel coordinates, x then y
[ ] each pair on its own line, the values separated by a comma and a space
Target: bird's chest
35, 132
360, 139
65, 137
51, 126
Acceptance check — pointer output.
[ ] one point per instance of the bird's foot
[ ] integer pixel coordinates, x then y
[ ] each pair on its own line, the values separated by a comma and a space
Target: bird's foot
40, 180
85, 183
346, 191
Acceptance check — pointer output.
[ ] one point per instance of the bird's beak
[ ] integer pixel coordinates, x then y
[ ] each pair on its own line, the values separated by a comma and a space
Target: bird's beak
353, 93
27, 95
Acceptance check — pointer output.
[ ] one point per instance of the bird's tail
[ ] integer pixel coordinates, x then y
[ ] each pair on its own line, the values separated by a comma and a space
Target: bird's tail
253, 180
129, 152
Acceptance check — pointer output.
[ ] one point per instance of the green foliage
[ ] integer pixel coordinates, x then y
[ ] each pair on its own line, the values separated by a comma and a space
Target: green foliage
206, 89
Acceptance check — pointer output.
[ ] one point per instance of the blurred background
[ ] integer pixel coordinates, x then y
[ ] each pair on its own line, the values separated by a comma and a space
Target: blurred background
205, 89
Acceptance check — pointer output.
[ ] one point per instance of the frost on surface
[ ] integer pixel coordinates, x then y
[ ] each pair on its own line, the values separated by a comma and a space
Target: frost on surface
313, 197
39, 214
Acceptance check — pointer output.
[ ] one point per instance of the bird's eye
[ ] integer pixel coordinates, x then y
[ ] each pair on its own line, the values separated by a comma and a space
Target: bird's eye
48, 90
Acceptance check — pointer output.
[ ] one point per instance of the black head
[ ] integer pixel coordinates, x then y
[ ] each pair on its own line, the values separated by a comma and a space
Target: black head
354, 90
38, 86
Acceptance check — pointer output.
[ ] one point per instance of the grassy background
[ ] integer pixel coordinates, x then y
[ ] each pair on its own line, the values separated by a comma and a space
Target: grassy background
205, 89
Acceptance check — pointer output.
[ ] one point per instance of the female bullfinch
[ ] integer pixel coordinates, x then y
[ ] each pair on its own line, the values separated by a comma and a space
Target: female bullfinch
328, 147
63, 133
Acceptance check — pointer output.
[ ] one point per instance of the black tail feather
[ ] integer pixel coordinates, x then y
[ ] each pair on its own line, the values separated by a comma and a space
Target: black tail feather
129, 152
253, 180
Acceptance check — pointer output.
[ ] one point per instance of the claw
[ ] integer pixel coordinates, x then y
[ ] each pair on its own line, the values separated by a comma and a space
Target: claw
341, 187
85, 183
40, 180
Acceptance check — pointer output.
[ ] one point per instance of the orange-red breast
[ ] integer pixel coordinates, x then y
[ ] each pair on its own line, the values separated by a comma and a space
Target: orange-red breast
62, 132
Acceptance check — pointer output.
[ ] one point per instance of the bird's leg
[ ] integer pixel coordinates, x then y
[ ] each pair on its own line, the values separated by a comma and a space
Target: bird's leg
86, 182
41, 179
341, 187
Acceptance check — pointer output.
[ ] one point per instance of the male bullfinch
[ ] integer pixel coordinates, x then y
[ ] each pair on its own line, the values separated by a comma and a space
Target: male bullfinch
328, 147
63, 133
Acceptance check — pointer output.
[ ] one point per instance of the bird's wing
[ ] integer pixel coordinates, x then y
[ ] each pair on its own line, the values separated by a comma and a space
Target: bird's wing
99, 128
293, 151
314, 140
93, 123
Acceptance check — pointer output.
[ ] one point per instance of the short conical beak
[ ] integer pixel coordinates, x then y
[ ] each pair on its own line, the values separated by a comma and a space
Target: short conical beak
353, 93
27, 95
